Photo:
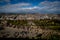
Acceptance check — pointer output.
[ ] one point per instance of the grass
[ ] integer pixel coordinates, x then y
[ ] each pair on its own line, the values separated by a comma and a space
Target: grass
17, 22
54, 27
51, 24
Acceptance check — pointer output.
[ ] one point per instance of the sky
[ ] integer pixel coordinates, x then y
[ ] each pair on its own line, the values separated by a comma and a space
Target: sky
29, 6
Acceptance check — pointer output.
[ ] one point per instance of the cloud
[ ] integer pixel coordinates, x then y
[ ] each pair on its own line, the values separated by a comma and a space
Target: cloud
14, 7
42, 7
30, 8
50, 7
7, 1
